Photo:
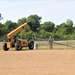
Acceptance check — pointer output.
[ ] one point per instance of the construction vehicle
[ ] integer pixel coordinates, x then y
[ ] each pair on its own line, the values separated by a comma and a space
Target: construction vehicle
18, 44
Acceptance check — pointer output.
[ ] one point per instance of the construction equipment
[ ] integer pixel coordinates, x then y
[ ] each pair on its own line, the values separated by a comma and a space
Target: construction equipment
18, 43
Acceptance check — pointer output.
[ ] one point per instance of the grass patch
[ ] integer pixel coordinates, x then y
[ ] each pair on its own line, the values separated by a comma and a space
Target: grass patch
44, 45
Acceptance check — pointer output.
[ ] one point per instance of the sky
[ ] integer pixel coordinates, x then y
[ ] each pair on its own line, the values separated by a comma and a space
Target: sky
56, 11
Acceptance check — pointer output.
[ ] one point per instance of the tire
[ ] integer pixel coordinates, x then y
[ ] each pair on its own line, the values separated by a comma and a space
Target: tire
31, 45
5, 47
18, 47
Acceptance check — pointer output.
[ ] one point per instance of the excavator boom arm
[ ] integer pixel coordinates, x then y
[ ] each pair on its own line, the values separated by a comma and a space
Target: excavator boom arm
16, 31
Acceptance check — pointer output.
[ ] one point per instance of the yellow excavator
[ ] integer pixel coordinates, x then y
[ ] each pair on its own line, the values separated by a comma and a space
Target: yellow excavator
18, 44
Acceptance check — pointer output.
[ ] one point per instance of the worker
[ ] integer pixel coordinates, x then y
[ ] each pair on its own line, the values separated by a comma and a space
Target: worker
50, 42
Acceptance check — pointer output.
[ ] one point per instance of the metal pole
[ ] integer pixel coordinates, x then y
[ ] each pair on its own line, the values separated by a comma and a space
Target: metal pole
67, 44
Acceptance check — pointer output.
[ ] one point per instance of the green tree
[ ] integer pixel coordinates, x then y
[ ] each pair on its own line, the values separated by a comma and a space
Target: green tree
48, 26
64, 30
21, 21
1, 29
73, 33
1, 16
1, 25
61, 30
9, 26
69, 26
69, 23
42, 33
35, 20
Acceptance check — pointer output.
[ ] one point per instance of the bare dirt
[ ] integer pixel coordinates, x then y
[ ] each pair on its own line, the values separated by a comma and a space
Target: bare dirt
37, 62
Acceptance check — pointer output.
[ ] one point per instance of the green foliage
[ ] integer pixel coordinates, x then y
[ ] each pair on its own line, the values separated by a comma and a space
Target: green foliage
25, 34
1, 16
1, 29
1, 25
48, 26
9, 26
65, 30
21, 21
44, 34
69, 23
35, 20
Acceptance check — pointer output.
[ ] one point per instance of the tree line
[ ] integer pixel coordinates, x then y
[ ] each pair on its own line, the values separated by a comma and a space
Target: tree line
65, 30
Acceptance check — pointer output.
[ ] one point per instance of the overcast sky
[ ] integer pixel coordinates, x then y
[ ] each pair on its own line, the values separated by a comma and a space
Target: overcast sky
57, 11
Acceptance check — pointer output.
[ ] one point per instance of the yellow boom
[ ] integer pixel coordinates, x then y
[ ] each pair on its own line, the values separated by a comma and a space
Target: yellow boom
16, 31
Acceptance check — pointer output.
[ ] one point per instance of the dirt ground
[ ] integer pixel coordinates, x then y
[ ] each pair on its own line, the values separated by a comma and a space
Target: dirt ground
37, 62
